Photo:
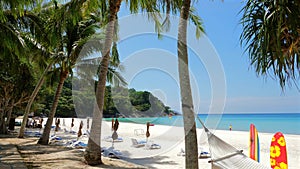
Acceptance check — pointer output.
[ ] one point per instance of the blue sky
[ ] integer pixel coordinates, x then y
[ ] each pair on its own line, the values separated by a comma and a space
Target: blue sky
245, 91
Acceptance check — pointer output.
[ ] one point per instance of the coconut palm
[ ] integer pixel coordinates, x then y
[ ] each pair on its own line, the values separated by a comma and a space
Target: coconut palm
186, 13
15, 25
44, 55
191, 160
50, 52
92, 153
70, 29
271, 34
16, 8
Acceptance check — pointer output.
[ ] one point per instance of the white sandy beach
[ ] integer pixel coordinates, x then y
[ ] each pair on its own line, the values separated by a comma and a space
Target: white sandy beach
171, 140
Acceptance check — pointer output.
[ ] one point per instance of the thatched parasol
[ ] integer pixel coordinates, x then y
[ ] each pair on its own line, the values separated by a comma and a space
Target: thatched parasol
147, 132
79, 131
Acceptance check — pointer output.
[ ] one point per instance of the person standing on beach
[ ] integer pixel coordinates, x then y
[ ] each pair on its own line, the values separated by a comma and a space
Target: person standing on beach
230, 127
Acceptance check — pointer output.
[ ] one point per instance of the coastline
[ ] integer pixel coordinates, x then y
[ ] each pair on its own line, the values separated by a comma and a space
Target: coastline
287, 123
171, 140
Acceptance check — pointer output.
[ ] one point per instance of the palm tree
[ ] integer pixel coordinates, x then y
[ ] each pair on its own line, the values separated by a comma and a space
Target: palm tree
47, 52
191, 150
44, 55
75, 29
92, 153
15, 44
185, 90
271, 34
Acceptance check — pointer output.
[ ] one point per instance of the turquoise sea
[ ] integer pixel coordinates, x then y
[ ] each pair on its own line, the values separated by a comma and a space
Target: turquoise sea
287, 123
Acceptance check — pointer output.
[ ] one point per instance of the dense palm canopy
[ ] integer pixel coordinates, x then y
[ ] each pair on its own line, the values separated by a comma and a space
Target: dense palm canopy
17, 68
70, 28
271, 34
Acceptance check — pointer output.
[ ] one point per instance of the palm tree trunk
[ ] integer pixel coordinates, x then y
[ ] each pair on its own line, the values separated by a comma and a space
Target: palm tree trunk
44, 139
3, 115
191, 150
2, 122
31, 99
8, 116
92, 153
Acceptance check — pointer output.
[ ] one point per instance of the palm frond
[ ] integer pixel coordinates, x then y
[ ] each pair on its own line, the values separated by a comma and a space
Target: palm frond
271, 34
197, 22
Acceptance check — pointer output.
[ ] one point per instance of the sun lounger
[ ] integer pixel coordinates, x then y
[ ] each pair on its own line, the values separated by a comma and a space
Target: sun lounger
109, 139
32, 133
79, 144
111, 152
151, 145
202, 153
139, 132
137, 144
55, 138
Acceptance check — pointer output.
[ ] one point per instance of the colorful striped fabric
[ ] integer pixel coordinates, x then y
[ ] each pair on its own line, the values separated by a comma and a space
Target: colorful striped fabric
254, 143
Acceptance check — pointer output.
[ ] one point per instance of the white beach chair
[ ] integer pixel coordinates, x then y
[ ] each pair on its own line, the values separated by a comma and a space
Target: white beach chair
137, 144
109, 139
139, 132
151, 145
203, 153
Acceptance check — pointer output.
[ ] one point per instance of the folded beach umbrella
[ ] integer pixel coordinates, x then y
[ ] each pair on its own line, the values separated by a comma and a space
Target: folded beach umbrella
115, 128
112, 124
79, 131
147, 132
72, 124
116, 125
57, 121
88, 123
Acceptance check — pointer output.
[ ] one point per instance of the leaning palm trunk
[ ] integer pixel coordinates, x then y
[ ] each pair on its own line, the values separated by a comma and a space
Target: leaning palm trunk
92, 153
44, 139
191, 150
31, 99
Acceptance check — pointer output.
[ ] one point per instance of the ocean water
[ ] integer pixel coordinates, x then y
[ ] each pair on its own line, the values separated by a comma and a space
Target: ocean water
287, 123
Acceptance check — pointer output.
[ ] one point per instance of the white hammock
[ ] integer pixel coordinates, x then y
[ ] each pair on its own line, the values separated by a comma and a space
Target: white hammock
225, 156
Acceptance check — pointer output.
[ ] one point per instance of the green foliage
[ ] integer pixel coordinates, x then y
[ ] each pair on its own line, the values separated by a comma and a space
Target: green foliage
65, 105
117, 101
132, 103
271, 34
